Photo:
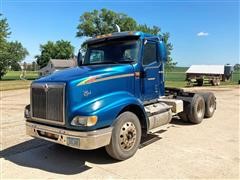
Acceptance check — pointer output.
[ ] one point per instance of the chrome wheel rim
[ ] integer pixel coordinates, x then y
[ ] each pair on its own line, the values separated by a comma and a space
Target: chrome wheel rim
211, 105
127, 136
200, 109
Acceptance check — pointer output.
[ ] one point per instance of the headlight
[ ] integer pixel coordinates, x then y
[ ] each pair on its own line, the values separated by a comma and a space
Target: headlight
84, 121
27, 111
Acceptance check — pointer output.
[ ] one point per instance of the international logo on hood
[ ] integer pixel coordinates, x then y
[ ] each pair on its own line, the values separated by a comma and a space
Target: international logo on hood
45, 87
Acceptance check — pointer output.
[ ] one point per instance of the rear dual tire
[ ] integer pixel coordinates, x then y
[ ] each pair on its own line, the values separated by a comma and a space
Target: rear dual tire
202, 105
197, 109
194, 111
210, 104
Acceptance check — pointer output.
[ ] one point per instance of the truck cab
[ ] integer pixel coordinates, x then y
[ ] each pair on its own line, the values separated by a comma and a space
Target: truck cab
114, 97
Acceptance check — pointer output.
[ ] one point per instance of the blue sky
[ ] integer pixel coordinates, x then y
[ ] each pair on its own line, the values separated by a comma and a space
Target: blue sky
202, 32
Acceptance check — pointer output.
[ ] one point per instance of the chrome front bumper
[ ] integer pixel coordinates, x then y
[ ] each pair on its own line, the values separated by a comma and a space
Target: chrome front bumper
80, 140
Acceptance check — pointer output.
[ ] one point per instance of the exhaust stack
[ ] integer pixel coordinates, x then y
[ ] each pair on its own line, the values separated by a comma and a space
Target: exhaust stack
118, 28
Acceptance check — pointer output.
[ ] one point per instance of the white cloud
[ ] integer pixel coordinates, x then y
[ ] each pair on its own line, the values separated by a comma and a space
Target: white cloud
202, 34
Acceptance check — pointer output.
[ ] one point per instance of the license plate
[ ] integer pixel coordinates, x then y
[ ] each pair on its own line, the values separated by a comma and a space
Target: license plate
73, 142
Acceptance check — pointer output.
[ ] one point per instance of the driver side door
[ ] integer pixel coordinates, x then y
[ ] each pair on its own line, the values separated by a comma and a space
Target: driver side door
150, 63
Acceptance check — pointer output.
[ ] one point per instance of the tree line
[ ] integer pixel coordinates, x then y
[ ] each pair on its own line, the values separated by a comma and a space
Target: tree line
11, 52
96, 22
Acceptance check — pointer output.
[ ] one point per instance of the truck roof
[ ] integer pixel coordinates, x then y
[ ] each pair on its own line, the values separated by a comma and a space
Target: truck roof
116, 35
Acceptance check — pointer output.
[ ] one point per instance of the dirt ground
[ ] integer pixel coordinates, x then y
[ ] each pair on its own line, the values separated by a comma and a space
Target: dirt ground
176, 150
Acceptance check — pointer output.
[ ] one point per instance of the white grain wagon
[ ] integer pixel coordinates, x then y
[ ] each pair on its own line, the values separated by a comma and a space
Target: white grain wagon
210, 73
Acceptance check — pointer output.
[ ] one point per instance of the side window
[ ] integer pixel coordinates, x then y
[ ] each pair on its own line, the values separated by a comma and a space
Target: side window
96, 56
150, 53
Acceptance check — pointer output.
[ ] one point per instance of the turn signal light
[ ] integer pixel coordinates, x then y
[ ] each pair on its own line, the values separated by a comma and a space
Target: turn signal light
84, 121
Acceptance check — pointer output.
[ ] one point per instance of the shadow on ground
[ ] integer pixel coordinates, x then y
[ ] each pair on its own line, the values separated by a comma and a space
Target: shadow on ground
51, 157
54, 158
177, 121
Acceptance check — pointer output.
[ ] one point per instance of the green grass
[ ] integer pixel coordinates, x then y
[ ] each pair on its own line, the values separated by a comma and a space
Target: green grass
236, 76
14, 84
180, 69
15, 75
175, 78
176, 84
12, 80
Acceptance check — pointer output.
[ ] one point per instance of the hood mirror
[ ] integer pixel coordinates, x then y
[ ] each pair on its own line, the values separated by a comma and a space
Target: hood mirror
145, 41
79, 59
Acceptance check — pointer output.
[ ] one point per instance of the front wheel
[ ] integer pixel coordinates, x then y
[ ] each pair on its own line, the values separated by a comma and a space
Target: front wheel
126, 136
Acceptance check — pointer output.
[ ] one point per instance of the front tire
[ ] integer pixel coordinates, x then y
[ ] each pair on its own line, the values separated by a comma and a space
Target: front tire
126, 136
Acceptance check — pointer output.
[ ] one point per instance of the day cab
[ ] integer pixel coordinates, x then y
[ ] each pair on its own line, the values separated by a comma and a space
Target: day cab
115, 96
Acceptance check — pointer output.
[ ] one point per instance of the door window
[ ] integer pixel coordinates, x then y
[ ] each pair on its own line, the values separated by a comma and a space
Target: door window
150, 53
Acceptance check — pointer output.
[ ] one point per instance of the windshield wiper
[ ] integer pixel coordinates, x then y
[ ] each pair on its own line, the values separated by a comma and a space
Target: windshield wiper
108, 62
104, 62
127, 60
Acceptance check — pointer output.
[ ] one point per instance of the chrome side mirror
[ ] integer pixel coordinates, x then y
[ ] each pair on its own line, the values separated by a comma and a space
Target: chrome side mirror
145, 41
79, 59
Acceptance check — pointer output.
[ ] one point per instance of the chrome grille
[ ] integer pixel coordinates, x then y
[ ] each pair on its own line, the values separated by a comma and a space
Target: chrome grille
47, 102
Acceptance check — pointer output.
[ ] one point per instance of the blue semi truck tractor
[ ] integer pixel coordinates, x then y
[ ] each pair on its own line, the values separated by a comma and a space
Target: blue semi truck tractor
114, 97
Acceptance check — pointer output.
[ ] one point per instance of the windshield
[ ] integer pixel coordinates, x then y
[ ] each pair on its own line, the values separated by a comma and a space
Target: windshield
112, 52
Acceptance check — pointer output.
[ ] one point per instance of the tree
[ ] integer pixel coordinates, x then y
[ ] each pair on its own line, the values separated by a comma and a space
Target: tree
24, 66
29, 67
4, 60
54, 50
102, 22
34, 66
16, 67
10, 52
4, 33
16, 51
4, 29
170, 64
236, 67
151, 30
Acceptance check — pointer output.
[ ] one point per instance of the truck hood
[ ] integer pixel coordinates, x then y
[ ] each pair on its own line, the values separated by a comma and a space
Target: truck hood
79, 73
92, 89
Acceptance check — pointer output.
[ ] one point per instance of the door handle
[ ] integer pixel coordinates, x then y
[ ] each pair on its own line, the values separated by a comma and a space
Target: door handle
151, 79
